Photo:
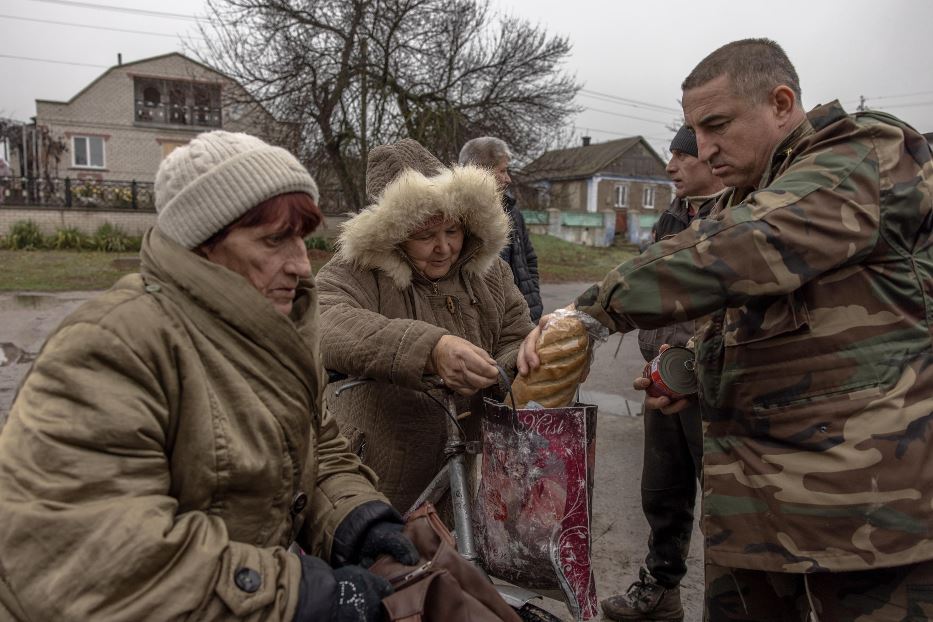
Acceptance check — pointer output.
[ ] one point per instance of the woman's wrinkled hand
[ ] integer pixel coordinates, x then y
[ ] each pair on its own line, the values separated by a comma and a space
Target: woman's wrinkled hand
528, 352
464, 367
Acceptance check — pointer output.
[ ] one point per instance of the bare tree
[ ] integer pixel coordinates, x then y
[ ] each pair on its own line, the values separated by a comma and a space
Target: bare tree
356, 73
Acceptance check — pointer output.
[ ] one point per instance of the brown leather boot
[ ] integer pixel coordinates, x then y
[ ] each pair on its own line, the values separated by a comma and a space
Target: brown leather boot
645, 599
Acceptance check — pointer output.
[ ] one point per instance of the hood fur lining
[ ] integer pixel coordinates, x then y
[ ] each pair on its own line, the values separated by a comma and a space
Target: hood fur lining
467, 194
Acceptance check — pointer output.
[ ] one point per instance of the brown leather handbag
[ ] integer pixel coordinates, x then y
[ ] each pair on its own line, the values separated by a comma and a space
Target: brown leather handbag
444, 586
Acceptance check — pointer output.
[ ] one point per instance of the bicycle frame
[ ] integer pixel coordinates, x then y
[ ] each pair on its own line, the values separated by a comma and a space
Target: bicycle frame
453, 478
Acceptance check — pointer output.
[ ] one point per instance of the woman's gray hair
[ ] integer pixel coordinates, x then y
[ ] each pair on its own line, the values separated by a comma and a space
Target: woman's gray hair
484, 151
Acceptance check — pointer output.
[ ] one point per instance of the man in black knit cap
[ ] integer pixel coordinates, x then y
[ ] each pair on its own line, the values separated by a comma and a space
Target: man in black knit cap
673, 443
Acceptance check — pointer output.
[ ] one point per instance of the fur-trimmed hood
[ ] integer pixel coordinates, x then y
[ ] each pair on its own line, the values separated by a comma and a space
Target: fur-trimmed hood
468, 194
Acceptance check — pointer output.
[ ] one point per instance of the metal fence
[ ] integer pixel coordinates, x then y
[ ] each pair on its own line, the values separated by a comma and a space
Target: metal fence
77, 193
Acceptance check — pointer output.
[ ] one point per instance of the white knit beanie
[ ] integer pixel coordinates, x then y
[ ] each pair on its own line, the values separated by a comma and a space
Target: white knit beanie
204, 186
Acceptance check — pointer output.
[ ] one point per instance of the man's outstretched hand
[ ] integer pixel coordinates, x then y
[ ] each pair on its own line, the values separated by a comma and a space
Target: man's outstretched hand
665, 404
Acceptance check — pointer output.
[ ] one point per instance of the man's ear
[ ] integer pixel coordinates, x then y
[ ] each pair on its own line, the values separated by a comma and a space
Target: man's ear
783, 101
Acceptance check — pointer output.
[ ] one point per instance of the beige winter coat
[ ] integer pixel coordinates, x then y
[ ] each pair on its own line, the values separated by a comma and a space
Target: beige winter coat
157, 448
380, 319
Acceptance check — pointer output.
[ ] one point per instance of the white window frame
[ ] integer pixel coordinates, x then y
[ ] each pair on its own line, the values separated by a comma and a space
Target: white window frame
624, 193
87, 151
647, 197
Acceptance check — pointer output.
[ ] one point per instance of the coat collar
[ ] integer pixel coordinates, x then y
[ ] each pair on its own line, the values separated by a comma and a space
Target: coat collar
229, 297
372, 238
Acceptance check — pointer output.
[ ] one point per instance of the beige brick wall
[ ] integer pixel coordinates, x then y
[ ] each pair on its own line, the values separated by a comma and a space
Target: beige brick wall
133, 222
134, 150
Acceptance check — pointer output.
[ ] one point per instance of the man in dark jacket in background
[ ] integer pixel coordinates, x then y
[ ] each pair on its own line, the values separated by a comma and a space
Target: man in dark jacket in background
493, 153
673, 443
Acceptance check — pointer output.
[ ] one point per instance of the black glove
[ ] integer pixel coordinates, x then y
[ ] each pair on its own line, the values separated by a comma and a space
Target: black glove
348, 594
386, 538
370, 530
359, 595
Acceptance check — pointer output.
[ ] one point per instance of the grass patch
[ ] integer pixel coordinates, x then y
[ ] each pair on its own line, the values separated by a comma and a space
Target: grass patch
62, 270
57, 271
563, 262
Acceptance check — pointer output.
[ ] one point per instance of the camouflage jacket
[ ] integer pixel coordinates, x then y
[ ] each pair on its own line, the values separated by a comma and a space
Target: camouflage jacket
816, 370
674, 220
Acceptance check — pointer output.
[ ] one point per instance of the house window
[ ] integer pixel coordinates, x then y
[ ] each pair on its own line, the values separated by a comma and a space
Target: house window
169, 146
87, 151
621, 195
151, 97
647, 198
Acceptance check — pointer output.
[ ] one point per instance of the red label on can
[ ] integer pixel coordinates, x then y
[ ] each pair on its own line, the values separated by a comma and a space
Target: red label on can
671, 374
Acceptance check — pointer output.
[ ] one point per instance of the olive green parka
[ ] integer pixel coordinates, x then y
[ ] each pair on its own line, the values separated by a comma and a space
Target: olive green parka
159, 453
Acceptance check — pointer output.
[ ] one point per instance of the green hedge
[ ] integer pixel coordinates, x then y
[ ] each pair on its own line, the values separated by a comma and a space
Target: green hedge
26, 235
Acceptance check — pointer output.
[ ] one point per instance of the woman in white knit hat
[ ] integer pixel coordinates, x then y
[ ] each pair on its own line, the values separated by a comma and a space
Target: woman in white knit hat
169, 443
418, 288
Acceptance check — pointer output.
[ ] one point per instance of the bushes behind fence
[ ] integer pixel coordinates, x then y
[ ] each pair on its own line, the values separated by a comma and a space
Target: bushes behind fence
26, 235
69, 239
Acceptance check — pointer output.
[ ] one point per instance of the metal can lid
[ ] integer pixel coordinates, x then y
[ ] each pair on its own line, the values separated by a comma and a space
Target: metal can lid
676, 367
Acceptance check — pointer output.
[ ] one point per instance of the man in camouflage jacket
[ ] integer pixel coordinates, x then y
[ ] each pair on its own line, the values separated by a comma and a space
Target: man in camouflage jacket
816, 368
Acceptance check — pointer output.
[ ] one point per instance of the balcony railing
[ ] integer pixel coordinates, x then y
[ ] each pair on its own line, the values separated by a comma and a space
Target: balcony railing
176, 114
76, 193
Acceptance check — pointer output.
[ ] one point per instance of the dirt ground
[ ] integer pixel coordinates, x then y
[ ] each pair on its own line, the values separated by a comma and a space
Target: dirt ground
619, 531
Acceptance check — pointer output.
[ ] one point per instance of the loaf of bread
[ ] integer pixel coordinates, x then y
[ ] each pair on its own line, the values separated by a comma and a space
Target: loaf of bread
563, 348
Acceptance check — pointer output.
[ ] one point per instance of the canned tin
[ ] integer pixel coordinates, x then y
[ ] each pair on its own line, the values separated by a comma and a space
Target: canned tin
671, 374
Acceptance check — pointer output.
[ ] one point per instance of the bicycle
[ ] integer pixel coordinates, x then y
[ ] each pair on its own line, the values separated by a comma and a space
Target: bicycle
453, 478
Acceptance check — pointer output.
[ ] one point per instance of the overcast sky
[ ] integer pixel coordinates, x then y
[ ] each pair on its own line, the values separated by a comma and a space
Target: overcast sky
630, 55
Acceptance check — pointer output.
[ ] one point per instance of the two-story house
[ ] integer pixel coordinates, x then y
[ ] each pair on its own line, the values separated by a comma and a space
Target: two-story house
626, 177
122, 124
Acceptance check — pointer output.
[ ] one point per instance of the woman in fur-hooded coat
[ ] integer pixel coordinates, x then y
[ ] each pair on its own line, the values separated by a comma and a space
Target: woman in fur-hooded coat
382, 318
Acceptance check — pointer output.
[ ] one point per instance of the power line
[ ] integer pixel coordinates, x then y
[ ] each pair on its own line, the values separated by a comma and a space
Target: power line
885, 107
898, 96
135, 32
120, 9
635, 103
57, 62
619, 114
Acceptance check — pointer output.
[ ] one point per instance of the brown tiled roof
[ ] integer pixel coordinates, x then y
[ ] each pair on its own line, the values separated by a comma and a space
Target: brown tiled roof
580, 161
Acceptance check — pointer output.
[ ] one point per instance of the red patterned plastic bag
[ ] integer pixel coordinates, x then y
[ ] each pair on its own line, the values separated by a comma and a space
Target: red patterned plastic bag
534, 505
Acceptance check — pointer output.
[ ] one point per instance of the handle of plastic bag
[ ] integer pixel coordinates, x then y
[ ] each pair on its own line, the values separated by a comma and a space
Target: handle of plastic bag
508, 386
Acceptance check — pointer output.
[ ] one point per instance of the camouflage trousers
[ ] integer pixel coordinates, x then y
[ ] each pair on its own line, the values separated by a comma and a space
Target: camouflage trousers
901, 593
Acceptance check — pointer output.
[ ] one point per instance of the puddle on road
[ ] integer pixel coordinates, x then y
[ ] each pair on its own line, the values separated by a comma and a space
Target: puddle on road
9, 354
33, 302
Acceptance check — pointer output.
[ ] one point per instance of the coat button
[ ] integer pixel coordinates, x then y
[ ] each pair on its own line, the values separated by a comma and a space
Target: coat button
299, 503
247, 580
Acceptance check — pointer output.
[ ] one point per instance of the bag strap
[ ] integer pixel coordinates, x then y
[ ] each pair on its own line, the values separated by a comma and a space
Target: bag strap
407, 605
